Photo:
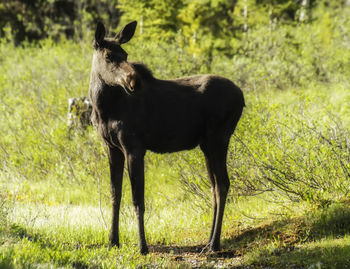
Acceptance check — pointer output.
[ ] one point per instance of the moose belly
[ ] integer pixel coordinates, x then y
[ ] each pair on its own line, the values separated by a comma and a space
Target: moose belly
172, 144
173, 124
174, 140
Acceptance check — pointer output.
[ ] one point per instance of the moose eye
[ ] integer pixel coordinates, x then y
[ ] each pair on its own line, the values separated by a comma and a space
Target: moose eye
109, 57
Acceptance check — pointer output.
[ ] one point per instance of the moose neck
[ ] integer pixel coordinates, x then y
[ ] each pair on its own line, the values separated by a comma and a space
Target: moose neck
143, 72
102, 91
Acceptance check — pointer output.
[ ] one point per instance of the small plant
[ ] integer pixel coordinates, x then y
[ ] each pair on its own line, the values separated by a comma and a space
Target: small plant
4, 210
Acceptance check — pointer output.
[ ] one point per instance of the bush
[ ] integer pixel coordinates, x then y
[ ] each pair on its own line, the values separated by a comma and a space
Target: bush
282, 149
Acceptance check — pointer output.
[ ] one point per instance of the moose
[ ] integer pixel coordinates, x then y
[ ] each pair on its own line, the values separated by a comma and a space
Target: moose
134, 112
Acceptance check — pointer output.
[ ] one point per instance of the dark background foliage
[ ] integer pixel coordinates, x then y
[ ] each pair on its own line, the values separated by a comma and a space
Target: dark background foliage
37, 19
204, 26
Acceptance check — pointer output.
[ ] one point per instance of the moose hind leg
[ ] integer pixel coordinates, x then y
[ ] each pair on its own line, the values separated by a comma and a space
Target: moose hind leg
212, 181
136, 174
216, 160
222, 184
116, 164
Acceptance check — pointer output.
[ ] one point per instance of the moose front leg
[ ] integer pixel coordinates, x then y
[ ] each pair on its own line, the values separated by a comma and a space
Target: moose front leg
137, 178
116, 165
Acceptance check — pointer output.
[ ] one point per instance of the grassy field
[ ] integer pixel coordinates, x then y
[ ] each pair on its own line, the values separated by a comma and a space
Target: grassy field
288, 163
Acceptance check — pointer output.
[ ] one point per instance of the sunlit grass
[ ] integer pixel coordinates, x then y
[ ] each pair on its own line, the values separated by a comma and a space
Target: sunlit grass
55, 208
66, 235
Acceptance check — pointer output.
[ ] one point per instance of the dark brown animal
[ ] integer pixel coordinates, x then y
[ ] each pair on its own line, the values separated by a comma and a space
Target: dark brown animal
135, 112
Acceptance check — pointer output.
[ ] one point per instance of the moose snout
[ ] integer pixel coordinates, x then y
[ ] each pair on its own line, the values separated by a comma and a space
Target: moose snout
131, 81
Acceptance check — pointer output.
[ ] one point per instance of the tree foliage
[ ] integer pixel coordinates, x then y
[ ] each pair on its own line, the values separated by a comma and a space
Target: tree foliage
206, 27
159, 17
22, 20
203, 27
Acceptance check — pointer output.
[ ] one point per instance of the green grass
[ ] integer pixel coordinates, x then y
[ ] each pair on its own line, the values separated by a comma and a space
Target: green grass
288, 163
74, 237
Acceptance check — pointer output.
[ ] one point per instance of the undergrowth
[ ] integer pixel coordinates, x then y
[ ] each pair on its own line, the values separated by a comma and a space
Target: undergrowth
289, 160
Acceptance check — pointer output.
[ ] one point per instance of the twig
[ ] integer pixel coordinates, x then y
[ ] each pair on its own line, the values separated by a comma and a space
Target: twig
100, 205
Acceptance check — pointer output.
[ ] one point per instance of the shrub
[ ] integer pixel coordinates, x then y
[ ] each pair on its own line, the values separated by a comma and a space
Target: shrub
282, 150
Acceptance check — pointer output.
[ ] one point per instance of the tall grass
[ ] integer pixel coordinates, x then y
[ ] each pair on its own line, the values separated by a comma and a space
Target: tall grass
290, 147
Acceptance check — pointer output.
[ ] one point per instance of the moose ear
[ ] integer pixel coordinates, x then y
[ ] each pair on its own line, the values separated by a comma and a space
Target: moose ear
126, 33
100, 33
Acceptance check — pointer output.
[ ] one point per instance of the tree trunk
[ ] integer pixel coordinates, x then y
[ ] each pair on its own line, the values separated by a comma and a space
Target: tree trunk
304, 11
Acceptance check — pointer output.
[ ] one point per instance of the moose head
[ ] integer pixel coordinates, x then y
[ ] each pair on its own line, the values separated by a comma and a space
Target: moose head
110, 60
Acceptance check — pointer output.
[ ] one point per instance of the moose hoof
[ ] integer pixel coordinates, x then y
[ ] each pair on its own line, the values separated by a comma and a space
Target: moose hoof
144, 250
214, 247
114, 242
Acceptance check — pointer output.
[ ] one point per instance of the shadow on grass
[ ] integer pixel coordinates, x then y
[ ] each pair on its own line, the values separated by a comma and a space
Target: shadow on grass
334, 220
44, 244
318, 239
20, 232
195, 257
286, 232
192, 250
166, 249
315, 240
327, 253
